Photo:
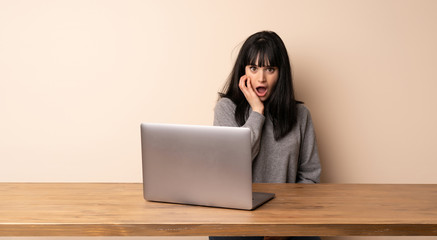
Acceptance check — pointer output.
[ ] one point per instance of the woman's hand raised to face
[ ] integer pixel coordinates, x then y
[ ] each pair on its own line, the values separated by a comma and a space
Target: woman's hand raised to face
254, 101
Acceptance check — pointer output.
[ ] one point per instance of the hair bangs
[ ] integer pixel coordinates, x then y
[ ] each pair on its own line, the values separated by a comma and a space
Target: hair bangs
262, 54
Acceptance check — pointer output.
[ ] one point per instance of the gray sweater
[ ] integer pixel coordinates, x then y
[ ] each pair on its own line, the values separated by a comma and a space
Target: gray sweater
292, 159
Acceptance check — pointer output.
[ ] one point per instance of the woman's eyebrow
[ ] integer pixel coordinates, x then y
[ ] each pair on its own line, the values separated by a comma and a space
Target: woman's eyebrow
265, 66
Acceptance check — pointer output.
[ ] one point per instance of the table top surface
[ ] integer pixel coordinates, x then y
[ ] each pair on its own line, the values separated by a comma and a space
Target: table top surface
118, 209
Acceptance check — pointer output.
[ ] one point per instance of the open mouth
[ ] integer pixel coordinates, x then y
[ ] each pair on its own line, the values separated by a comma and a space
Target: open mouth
261, 91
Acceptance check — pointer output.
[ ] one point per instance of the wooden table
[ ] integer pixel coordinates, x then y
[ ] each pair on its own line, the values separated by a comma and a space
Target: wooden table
107, 209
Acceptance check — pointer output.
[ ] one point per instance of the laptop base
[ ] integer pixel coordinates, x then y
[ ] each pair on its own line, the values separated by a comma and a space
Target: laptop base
259, 198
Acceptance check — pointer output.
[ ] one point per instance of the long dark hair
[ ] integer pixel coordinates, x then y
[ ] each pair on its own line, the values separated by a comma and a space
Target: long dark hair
269, 49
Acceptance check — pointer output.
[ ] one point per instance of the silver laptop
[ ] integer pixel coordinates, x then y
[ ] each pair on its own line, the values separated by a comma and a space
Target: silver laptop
199, 165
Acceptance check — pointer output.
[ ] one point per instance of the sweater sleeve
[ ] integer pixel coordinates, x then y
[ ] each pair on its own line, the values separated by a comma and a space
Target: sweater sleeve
224, 115
309, 163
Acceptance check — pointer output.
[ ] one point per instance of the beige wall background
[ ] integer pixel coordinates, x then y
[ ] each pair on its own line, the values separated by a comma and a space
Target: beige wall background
78, 77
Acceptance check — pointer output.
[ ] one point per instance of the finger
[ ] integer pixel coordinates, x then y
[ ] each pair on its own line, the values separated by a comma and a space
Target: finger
242, 84
243, 80
249, 86
250, 91
245, 83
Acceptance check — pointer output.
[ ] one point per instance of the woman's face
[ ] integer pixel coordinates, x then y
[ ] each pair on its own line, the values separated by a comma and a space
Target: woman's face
263, 80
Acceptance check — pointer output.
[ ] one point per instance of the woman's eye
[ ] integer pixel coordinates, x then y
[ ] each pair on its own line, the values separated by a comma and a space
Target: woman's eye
271, 70
252, 68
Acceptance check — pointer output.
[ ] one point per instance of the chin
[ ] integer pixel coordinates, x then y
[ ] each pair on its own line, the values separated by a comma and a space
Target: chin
263, 99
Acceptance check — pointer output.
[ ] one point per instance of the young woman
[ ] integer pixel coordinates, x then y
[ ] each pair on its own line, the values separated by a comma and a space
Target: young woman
259, 95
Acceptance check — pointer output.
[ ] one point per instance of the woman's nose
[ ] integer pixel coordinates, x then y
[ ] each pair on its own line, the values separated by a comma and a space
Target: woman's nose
261, 76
